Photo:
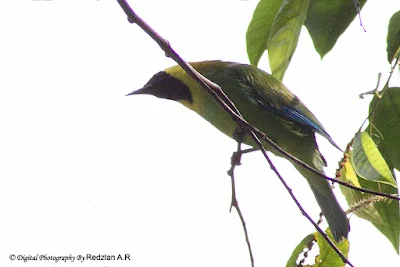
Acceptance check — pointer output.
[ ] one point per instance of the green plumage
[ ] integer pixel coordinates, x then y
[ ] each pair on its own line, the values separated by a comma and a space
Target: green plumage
268, 105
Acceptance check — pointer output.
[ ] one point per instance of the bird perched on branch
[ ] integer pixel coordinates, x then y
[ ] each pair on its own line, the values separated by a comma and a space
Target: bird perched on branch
269, 106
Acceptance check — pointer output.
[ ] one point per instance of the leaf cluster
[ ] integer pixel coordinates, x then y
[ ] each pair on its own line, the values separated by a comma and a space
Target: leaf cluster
373, 155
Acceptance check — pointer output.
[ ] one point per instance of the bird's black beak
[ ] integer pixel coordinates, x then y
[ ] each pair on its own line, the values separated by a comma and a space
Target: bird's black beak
144, 90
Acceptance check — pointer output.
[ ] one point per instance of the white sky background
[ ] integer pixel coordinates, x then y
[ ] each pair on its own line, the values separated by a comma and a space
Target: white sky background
86, 170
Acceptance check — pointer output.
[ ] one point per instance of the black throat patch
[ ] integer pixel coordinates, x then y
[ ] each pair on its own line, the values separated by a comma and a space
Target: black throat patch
163, 85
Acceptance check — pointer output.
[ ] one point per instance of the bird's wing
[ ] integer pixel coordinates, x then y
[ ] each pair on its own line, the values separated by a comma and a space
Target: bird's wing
273, 96
307, 120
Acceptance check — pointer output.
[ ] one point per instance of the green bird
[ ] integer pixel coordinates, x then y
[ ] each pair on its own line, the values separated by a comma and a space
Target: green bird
269, 106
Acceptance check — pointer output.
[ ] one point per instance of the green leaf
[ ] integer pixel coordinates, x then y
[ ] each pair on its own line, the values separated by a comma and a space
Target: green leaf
389, 212
299, 249
327, 256
381, 212
368, 161
259, 28
385, 124
353, 197
327, 20
284, 35
393, 37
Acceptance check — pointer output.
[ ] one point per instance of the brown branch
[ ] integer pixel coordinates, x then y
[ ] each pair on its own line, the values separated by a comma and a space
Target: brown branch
235, 161
238, 135
324, 235
224, 101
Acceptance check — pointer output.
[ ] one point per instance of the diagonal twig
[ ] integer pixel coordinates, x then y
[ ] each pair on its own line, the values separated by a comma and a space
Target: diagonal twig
224, 101
235, 161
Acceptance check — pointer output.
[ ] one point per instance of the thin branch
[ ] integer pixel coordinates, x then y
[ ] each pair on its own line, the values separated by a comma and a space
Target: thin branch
358, 9
235, 161
375, 90
380, 94
225, 102
324, 235
217, 93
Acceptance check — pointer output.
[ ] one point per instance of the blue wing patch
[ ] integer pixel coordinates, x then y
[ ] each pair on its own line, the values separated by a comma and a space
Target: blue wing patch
295, 115
300, 118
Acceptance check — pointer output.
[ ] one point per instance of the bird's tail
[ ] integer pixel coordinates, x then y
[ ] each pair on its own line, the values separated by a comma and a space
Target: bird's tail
334, 214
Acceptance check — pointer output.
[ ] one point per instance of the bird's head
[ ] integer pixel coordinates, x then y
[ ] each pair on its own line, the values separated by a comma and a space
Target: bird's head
165, 85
